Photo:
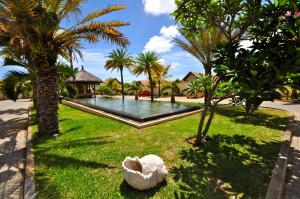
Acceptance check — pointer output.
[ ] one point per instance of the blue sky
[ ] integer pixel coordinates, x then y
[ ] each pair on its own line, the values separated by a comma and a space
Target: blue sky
150, 28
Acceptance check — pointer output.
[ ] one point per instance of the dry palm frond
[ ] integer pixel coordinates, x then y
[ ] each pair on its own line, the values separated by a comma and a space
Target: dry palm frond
99, 13
69, 7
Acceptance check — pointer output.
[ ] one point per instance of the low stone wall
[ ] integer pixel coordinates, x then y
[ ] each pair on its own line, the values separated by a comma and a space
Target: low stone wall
277, 183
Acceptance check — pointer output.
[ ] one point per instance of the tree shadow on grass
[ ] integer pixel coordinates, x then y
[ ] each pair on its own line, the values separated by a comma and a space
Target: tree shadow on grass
51, 160
70, 144
47, 159
226, 166
130, 193
257, 118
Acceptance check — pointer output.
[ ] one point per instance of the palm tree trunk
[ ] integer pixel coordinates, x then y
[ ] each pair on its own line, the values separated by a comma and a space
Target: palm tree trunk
294, 94
159, 88
34, 92
151, 85
207, 69
71, 58
47, 98
122, 82
172, 97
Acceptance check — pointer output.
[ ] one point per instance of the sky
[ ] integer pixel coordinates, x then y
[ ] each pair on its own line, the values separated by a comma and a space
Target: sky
150, 29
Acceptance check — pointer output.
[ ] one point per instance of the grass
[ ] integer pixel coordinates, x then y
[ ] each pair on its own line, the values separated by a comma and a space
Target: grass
85, 160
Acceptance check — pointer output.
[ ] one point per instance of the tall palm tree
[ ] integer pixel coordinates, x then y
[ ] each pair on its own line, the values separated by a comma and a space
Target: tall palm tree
202, 46
174, 89
118, 60
36, 28
148, 63
161, 76
135, 86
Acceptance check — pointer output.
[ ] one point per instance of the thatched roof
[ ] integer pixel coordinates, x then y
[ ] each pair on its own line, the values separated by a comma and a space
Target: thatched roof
84, 77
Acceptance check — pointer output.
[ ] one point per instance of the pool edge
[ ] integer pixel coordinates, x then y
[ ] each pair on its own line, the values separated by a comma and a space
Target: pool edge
128, 121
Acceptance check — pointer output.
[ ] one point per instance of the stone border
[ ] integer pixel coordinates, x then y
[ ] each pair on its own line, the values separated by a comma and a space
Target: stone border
128, 121
277, 182
29, 186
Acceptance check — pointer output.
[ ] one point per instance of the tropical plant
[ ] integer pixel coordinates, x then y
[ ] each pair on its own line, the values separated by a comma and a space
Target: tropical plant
113, 84
65, 71
202, 46
107, 91
218, 91
135, 86
271, 62
16, 83
35, 27
197, 85
118, 60
148, 63
173, 86
13, 56
161, 76
233, 19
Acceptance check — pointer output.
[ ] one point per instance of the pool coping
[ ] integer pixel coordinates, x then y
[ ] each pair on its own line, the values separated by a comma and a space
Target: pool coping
130, 122
138, 118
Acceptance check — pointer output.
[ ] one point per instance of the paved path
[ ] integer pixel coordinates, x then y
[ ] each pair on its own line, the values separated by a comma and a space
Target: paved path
13, 125
292, 181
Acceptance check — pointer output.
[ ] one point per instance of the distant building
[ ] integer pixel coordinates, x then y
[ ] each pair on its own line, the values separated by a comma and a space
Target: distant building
187, 79
146, 86
85, 83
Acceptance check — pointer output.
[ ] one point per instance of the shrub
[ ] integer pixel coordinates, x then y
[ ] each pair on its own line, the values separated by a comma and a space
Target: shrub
71, 91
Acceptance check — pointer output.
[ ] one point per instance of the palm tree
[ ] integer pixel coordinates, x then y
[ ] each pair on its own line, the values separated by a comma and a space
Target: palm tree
161, 76
148, 63
135, 86
64, 71
12, 56
174, 89
202, 46
35, 28
193, 89
16, 83
113, 84
118, 60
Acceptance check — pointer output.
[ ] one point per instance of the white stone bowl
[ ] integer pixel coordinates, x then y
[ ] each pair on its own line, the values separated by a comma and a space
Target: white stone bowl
144, 173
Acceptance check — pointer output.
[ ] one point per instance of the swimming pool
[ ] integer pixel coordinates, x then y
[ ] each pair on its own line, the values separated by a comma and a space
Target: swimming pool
140, 110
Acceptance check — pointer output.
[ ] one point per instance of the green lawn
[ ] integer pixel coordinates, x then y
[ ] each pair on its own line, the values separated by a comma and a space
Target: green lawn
85, 160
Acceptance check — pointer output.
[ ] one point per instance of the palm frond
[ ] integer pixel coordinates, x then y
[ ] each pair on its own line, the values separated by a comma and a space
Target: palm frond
101, 12
13, 83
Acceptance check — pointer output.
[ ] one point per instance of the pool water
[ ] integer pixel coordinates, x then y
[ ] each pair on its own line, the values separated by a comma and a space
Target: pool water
138, 110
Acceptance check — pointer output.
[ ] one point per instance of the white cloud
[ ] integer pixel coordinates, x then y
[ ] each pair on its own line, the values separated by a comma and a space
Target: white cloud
170, 31
159, 44
181, 63
162, 43
159, 7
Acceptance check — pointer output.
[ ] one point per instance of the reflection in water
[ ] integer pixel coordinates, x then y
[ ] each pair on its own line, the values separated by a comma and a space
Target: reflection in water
135, 107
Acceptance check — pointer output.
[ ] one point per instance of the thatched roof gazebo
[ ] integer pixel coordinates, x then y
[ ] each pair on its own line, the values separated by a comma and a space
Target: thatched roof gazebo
85, 83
